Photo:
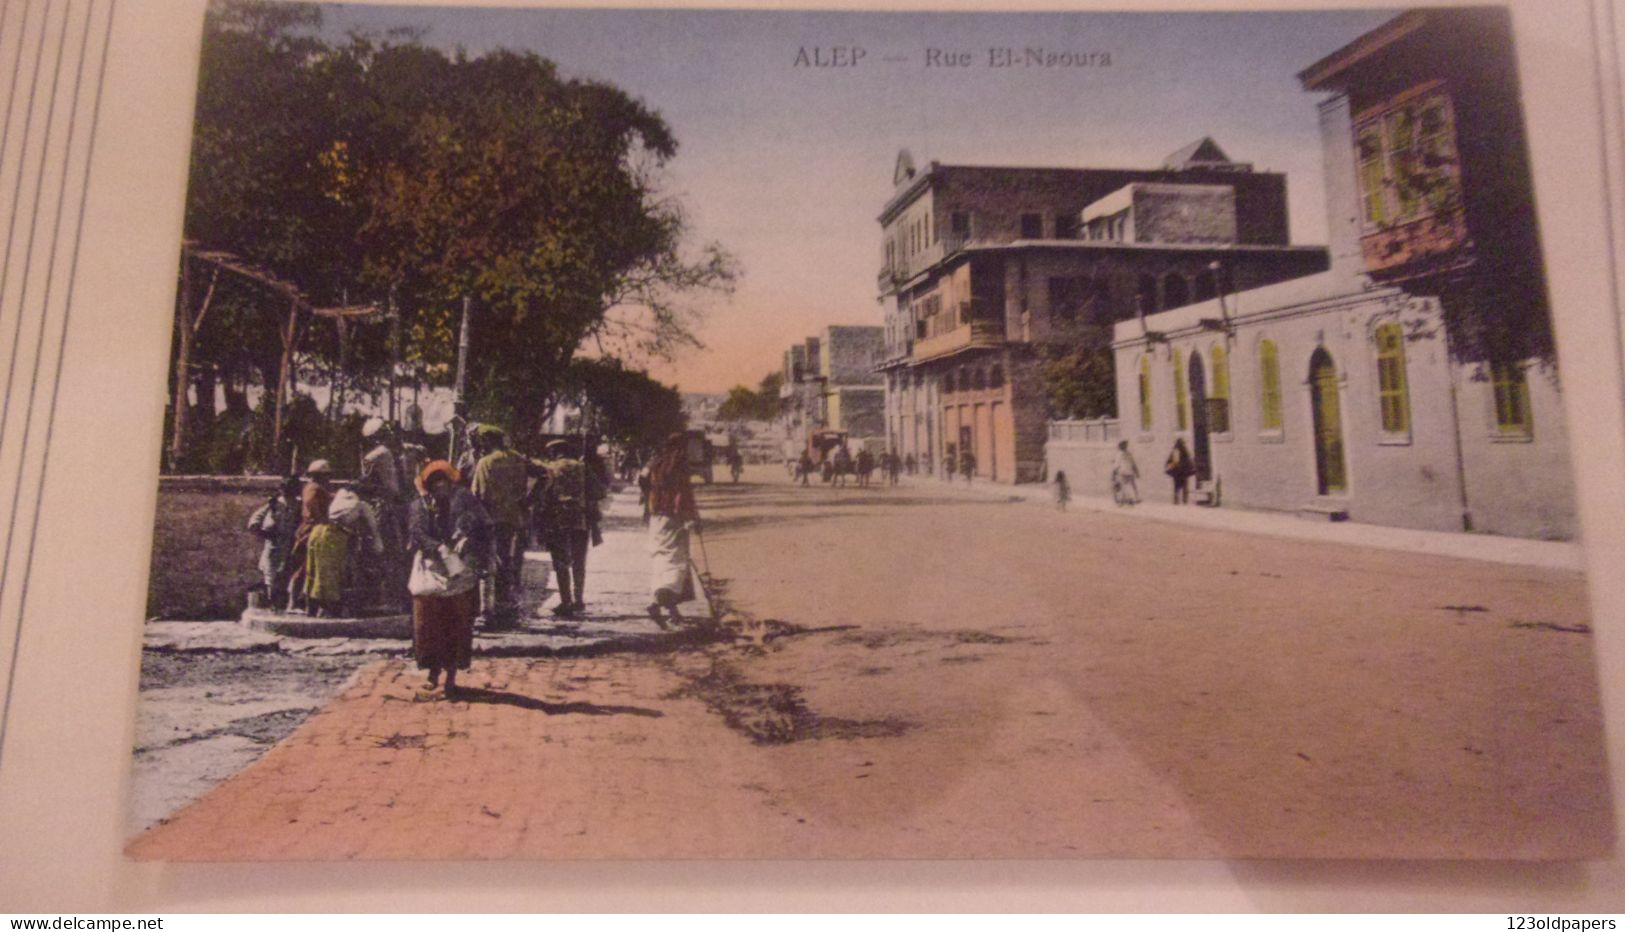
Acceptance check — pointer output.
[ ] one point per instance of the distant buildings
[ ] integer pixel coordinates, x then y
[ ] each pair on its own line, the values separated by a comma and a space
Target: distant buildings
1408, 384
831, 383
987, 269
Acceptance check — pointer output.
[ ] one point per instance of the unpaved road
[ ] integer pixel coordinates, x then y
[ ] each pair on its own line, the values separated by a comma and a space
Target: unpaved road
952, 675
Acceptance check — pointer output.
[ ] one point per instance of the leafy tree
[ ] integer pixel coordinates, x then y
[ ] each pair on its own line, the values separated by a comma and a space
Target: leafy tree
383, 170
625, 406
1079, 381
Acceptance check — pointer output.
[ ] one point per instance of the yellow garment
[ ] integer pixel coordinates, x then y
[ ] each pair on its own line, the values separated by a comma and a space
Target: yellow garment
324, 563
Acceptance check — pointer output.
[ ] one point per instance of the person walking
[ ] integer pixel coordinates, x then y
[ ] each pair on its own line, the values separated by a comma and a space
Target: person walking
843, 464
967, 465
673, 514
865, 466
449, 531
804, 468
500, 482
1125, 476
274, 523
1180, 468
568, 502
1063, 490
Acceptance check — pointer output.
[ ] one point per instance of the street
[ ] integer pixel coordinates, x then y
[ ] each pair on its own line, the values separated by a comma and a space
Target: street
952, 672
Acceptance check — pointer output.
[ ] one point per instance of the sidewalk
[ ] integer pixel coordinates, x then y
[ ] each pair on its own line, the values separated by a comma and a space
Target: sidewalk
1556, 555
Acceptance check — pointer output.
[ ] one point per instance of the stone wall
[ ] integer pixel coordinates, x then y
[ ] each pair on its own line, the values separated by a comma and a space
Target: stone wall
203, 558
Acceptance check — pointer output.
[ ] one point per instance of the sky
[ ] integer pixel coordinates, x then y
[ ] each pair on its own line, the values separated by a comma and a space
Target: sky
788, 166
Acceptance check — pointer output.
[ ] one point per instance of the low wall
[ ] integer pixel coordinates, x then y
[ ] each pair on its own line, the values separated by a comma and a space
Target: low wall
1087, 464
203, 558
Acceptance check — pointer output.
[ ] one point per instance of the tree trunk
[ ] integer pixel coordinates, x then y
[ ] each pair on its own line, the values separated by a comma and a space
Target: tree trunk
183, 360
290, 337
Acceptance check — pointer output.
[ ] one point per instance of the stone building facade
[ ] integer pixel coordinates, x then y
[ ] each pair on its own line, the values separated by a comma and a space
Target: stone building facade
988, 271
1412, 383
830, 382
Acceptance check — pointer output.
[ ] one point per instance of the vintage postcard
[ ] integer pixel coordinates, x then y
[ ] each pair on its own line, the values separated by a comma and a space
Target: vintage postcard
645, 434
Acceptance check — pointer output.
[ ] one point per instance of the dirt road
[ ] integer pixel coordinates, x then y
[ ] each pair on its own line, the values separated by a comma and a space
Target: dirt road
956, 675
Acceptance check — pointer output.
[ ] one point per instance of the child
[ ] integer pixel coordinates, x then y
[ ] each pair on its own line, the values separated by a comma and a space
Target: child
274, 523
1063, 491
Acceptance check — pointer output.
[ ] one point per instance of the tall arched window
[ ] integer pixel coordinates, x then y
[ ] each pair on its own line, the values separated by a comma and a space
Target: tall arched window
1511, 384
1182, 399
978, 379
1146, 293
1218, 394
1145, 393
1269, 385
1206, 286
995, 377
1175, 291
1391, 388
948, 382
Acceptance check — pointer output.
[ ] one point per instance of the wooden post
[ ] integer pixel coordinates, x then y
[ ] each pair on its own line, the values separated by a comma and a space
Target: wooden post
393, 410
290, 337
183, 362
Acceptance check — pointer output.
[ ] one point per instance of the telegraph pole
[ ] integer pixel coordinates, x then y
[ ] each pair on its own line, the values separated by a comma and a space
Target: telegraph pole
459, 399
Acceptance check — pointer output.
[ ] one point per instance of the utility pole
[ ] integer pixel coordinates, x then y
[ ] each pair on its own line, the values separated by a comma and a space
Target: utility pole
394, 354
459, 401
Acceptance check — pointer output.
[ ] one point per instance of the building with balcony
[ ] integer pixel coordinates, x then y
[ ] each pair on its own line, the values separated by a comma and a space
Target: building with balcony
1413, 383
987, 270
831, 382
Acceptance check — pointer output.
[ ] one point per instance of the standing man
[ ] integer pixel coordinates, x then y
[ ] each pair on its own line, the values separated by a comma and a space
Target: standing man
967, 464
382, 487
672, 515
569, 502
500, 484
275, 523
472, 451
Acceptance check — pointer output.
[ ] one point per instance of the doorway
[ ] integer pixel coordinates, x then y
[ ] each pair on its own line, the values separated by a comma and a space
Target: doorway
1330, 474
1200, 449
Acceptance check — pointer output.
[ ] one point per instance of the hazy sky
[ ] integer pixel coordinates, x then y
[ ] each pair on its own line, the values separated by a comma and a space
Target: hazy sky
789, 166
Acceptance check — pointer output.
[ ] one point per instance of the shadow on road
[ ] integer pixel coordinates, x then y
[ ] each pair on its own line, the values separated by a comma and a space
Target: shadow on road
475, 695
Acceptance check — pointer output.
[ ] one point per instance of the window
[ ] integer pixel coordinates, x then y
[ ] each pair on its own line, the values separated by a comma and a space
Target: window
948, 382
1391, 389
995, 377
1206, 287
1407, 157
959, 222
1066, 297
1066, 226
1511, 383
1032, 226
1182, 400
1145, 393
1218, 397
1147, 294
1269, 382
1175, 292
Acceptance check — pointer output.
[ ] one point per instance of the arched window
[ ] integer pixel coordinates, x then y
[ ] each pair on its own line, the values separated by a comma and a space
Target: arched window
995, 377
1206, 287
1511, 383
1146, 293
1145, 393
1269, 385
1182, 399
978, 379
1391, 387
948, 382
1218, 394
1175, 291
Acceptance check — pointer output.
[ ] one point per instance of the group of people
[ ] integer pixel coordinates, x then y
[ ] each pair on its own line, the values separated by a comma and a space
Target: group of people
452, 537
841, 464
1125, 476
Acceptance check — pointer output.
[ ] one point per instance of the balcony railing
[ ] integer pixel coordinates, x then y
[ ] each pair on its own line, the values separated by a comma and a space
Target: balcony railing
977, 333
1419, 247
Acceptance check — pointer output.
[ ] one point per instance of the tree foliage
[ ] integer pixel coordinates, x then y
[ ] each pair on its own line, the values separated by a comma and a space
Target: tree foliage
1079, 381
383, 170
746, 404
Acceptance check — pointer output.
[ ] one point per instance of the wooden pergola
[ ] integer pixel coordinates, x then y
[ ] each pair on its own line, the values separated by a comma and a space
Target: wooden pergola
188, 325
